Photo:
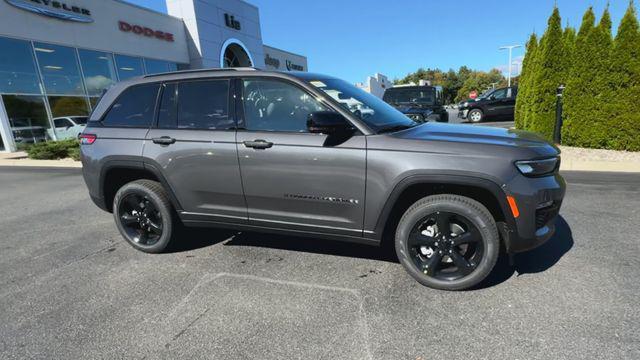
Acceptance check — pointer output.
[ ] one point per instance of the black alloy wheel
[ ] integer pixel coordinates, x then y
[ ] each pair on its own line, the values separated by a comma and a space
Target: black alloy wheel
445, 246
447, 242
144, 215
141, 219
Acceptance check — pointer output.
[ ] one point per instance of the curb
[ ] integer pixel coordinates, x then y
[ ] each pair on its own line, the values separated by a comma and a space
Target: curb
599, 166
41, 163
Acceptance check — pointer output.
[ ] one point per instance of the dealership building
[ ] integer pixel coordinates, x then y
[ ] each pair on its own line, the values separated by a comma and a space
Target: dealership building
57, 57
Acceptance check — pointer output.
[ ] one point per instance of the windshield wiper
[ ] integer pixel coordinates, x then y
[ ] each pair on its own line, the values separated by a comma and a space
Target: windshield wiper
394, 128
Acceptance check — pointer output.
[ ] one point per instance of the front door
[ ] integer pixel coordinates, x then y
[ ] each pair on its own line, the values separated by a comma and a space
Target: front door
292, 178
193, 145
498, 105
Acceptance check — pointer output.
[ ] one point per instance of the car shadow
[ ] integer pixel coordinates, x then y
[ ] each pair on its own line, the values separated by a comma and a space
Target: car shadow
530, 262
533, 261
194, 238
315, 246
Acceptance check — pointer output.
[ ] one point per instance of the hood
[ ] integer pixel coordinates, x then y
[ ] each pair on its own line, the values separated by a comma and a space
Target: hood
480, 135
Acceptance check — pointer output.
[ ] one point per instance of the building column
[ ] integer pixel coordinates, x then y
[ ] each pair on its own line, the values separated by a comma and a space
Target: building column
5, 129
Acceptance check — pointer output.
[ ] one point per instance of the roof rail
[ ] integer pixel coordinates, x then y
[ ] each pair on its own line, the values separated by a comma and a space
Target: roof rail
191, 71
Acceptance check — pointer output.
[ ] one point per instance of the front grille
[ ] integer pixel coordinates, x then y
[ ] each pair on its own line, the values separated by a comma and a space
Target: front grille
546, 214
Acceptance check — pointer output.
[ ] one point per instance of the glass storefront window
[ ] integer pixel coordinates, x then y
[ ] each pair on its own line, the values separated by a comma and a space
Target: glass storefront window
93, 101
98, 70
69, 115
59, 68
129, 66
159, 66
17, 69
27, 118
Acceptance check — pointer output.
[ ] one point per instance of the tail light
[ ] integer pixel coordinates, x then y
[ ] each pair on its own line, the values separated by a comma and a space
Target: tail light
87, 139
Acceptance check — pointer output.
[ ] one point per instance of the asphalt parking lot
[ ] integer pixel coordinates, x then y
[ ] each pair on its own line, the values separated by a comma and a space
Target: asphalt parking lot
70, 288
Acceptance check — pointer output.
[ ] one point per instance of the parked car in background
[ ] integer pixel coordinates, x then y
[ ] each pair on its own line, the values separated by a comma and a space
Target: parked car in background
68, 127
420, 103
498, 104
26, 131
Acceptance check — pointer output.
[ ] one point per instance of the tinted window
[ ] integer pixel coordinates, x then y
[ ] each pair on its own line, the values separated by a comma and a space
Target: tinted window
60, 71
204, 105
167, 113
59, 123
277, 106
134, 107
17, 68
500, 94
98, 69
27, 118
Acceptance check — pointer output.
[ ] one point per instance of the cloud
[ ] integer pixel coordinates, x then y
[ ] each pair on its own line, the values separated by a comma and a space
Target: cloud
515, 68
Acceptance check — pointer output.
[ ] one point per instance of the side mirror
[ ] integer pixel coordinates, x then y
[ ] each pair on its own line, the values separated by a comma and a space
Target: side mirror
327, 122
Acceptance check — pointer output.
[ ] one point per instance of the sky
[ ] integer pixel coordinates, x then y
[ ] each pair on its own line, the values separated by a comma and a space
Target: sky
353, 39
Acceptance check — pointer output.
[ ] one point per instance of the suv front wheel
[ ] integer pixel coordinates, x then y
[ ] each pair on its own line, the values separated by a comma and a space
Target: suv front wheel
447, 242
144, 215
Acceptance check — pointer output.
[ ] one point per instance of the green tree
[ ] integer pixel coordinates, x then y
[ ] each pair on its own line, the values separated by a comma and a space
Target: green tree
549, 74
480, 81
624, 129
525, 82
578, 80
588, 96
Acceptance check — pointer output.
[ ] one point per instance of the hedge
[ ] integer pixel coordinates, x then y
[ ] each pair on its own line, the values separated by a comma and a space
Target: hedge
53, 150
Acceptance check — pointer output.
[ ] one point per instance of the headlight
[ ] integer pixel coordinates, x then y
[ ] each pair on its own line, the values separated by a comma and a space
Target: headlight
465, 104
538, 167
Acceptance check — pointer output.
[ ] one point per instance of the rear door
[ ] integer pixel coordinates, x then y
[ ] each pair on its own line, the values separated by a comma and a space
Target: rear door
292, 178
193, 145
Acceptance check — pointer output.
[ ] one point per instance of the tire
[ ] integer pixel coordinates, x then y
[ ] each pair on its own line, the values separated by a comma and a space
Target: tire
134, 222
468, 220
475, 116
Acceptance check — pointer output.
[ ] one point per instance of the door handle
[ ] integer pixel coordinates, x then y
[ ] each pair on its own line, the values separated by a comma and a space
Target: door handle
258, 144
164, 140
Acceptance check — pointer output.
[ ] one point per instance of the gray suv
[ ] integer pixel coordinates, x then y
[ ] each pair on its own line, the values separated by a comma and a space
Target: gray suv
286, 153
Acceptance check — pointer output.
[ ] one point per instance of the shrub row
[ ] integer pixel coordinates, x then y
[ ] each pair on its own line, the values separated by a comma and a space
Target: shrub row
52, 150
602, 79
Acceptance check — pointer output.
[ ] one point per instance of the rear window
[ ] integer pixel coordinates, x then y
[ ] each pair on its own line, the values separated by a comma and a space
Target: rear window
198, 104
204, 105
133, 108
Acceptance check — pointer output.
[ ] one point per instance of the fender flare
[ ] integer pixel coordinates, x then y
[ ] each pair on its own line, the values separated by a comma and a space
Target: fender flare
474, 180
136, 163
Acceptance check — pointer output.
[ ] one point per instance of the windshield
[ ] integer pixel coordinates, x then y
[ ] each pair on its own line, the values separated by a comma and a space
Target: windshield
410, 95
377, 114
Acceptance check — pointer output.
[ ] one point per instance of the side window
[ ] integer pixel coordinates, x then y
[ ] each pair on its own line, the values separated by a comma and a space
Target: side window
271, 105
133, 108
62, 122
204, 105
168, 111
500, 94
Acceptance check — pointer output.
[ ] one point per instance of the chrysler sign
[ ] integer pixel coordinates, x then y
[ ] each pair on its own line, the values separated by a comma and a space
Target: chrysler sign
56, 9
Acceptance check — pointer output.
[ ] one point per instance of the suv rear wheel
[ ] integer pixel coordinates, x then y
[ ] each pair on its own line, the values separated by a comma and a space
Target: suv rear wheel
144, 215
447, 242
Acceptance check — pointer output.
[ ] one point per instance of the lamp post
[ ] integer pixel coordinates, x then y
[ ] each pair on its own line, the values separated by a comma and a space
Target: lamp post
510, 48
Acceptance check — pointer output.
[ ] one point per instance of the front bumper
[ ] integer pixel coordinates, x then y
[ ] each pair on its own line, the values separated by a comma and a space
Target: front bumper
539, 201
462, 114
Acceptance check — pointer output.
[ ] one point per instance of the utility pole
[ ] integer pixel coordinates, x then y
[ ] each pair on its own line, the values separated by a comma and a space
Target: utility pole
510, 48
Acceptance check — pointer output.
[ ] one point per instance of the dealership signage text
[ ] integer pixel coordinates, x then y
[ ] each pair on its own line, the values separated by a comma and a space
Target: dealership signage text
145, 31
54, 8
